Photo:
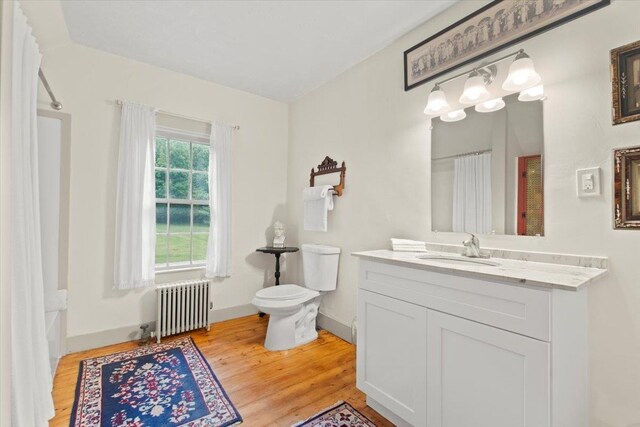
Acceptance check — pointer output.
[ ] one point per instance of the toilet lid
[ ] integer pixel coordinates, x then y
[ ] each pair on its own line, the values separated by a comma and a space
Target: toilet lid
282, 292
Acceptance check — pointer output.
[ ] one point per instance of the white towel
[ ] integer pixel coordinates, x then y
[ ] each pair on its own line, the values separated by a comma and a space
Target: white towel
403, 245
317, 202
406, 242
397, 249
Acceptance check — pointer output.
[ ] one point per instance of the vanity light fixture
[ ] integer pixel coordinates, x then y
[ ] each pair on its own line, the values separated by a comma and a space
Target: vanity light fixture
437, 102
475, 89
453, 116
522, 78
490, 105
532, 94
522, 74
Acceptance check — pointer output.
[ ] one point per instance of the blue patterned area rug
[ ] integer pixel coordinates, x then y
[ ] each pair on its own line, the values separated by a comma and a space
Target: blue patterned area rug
168, 384
339, 415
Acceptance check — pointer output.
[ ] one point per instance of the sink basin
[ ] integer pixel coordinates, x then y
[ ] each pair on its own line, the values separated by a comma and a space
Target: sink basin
458, 260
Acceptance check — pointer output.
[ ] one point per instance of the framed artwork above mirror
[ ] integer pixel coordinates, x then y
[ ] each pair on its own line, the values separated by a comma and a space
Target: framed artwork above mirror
489, 29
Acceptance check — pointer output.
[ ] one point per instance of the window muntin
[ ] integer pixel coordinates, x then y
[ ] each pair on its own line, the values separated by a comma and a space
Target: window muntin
182, 201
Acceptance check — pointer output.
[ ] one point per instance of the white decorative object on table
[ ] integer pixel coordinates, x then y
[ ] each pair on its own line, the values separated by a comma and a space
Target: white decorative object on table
279, 239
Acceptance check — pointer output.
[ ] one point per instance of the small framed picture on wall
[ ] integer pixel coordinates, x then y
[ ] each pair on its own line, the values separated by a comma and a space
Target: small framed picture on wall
625, 83
626, 188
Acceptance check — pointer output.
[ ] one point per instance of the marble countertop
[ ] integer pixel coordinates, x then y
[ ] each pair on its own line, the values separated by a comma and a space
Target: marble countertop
515, 271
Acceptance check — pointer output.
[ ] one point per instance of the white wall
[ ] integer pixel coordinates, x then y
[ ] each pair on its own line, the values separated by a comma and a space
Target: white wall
366, 119
6, 11
49, 150
442, 176
88, 82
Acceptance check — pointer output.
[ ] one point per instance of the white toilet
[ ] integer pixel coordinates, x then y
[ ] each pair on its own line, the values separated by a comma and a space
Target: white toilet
293, 309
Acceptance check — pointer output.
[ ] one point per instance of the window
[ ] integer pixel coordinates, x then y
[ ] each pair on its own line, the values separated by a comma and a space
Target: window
182, 200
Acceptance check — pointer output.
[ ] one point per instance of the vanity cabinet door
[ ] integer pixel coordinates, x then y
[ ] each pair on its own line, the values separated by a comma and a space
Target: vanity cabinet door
480, 376
391, 352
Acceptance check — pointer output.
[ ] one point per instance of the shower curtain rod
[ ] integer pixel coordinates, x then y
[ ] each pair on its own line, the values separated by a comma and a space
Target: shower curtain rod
197, 119
55, 104
472, 153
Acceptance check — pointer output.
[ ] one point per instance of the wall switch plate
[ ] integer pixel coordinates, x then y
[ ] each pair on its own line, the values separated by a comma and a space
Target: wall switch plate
588, 182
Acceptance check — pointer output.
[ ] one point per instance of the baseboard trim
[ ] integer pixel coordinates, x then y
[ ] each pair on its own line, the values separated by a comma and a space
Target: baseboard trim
335, 327
130, 333
102, 338
233, 312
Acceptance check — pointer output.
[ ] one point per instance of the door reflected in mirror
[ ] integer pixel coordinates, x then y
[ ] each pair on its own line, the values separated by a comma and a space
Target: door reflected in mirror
487, 171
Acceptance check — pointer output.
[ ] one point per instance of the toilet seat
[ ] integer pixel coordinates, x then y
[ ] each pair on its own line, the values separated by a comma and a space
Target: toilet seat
283, 292
288, 296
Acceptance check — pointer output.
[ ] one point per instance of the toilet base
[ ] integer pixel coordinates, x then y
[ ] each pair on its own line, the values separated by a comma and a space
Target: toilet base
293, 330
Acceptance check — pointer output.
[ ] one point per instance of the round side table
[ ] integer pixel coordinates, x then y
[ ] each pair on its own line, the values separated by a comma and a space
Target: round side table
277, 252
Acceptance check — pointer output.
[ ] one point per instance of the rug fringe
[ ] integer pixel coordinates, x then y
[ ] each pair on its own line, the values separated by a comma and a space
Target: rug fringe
328, 408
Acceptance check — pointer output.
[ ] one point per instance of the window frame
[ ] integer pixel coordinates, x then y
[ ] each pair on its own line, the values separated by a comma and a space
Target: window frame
192, 138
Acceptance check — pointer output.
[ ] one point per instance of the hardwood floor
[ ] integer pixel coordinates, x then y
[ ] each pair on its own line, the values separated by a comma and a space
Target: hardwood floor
268, 388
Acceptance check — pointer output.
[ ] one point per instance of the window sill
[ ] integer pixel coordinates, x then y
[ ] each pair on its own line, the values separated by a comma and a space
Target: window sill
181, 269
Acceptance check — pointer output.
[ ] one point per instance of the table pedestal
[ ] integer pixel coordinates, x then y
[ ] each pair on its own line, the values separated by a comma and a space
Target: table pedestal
277, 252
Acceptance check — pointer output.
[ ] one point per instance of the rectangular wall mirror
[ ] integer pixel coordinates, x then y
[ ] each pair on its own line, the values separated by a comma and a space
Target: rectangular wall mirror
487, 171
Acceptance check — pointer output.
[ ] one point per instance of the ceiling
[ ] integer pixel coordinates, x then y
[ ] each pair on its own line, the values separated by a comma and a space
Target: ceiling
277, 49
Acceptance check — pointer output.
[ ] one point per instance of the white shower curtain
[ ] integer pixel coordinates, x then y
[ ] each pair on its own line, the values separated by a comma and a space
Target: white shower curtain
472, 194
135, 240
31, 402
219, 245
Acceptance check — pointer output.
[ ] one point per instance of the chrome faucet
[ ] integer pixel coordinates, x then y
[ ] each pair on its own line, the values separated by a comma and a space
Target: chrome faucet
471, 247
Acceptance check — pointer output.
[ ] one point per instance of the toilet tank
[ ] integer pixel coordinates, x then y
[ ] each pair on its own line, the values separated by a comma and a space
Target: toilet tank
320, 266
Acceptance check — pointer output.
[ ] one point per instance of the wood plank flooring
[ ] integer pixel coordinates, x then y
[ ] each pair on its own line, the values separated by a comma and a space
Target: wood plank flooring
268, 388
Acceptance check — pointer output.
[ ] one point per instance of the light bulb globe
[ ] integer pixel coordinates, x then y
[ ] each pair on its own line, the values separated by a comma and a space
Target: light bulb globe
490, 105
475, 90
453, 116
532, 94
522, 74
436, 103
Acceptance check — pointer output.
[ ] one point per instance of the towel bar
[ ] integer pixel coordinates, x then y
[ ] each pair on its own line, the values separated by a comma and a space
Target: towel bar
328, 166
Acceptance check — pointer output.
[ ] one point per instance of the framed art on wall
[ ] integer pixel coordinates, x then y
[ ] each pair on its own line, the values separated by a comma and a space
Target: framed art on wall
626, 188
497, 25
625, 83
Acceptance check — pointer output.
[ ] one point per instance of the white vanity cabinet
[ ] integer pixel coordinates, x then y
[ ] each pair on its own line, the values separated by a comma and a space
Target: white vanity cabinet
483, 376
391, 355
446, 350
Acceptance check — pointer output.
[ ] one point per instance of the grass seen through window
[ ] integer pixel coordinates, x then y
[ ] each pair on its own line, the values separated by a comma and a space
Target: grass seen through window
182, 202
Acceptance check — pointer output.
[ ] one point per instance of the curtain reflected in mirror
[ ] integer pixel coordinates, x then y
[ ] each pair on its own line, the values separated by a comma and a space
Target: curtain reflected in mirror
487, 171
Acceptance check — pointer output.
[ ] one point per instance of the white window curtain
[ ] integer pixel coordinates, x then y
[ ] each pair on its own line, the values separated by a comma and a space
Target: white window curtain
219, 244
135, 240
472, 193
31, 402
